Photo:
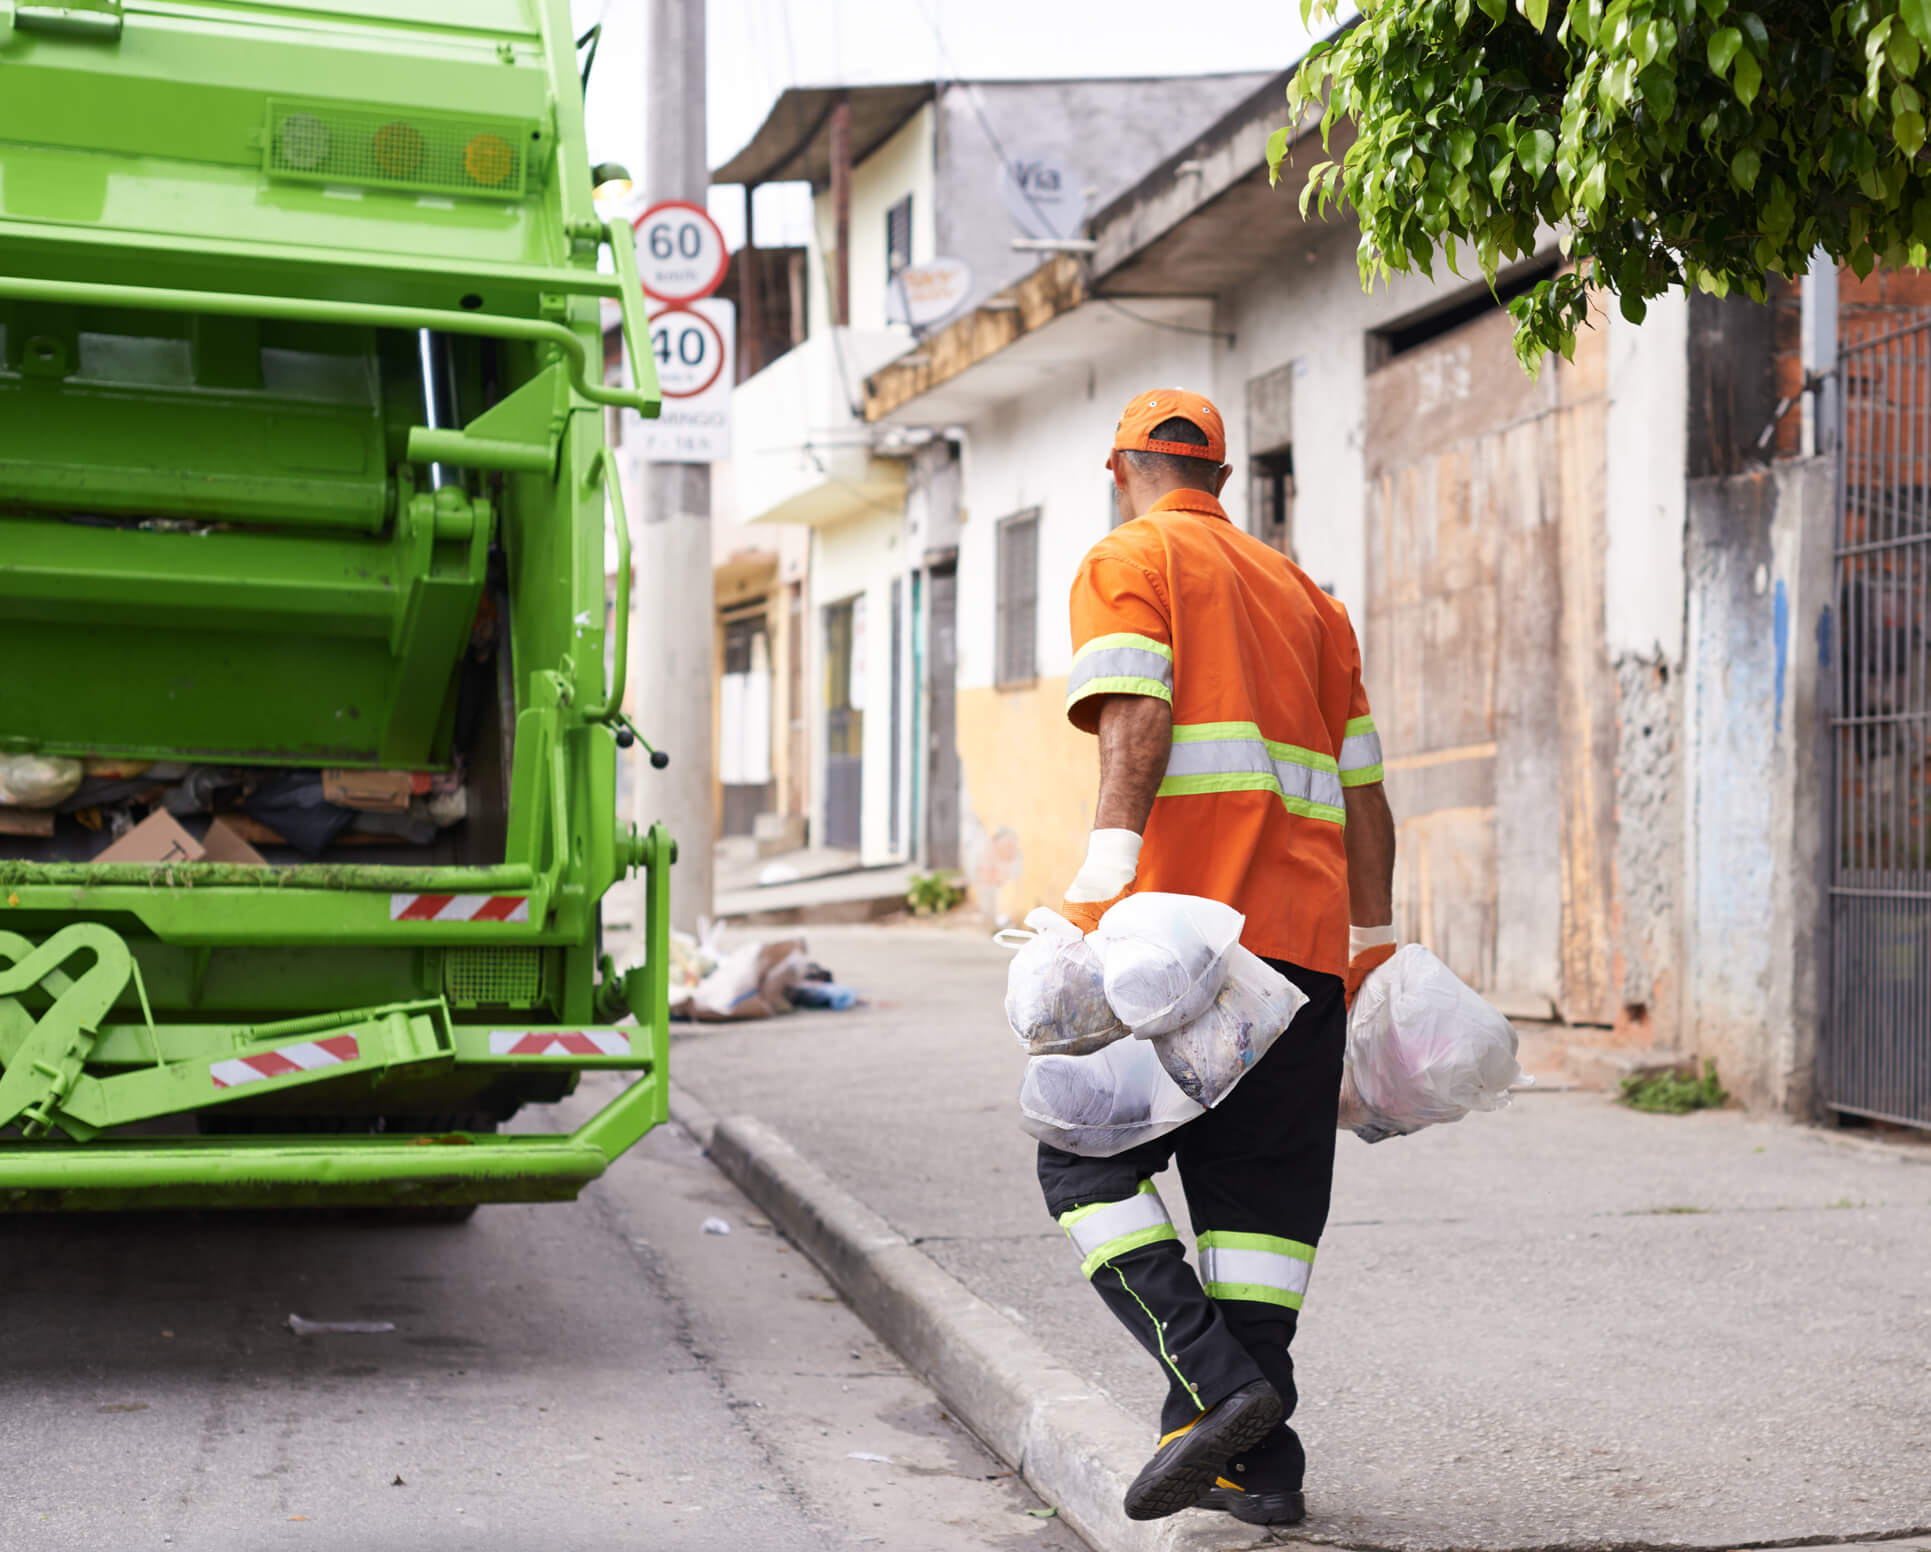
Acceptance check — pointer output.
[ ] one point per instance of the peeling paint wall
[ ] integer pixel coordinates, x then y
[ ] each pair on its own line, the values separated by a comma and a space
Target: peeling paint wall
1760, 578
1643, 636
1030, 778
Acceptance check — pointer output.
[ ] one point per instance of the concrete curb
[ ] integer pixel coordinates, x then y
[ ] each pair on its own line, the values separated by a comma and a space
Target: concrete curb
1073, 1446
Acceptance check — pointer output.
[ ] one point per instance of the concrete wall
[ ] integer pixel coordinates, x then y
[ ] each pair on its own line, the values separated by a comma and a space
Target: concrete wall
1111, 132
1760, 568
1643, 612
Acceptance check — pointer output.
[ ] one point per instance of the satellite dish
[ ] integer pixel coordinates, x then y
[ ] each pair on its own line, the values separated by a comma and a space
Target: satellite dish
923, 294
1043, 195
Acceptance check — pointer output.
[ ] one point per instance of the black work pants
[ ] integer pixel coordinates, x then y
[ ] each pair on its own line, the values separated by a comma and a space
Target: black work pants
1258, 1170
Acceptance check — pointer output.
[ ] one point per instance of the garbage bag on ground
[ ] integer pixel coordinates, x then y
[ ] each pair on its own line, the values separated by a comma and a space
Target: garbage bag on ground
37, 780
1165, 958
736, 989
1208, 1056
1423, 1048
1103, 1103
1056, 991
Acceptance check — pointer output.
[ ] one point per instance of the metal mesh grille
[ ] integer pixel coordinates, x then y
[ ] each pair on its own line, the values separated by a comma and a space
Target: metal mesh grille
439, 153
1877, 1046
493, 977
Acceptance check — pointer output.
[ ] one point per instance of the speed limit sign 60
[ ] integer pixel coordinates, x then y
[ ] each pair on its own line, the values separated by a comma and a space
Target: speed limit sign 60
680, 252
690, 352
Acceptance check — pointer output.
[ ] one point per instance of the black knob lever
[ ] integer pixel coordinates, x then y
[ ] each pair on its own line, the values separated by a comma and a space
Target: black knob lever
627, 735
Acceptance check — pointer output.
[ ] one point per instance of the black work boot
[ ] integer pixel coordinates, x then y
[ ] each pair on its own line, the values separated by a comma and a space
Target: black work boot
1190, 1459
1262, 1485
1259, 1507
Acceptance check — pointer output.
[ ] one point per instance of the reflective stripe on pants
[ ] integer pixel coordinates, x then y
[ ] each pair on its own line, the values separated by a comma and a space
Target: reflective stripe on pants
1104, 1230
1257, 1267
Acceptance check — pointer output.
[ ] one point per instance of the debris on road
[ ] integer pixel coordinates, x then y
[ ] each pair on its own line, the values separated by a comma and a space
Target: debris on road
303, 1327
713, 985
716, 1226
881, 1460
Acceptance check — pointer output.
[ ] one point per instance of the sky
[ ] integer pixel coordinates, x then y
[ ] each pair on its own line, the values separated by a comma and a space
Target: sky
759, 47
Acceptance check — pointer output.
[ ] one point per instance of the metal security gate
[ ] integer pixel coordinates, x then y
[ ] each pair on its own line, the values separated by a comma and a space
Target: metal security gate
1877, 1045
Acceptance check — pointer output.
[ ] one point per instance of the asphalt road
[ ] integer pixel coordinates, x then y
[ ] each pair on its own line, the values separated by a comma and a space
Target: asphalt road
597, 1375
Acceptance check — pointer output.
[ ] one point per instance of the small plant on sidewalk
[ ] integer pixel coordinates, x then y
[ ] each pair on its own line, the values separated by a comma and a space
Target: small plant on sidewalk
1669, 1093
933, 894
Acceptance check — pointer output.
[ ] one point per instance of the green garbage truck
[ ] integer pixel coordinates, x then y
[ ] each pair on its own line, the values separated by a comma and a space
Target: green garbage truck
311, 672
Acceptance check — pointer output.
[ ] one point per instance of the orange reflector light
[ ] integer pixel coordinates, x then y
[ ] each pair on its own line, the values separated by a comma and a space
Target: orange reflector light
487, 159
398, 149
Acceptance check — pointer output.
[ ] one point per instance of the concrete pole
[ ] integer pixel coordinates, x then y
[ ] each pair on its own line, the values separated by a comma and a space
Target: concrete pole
1819, 333
671, 635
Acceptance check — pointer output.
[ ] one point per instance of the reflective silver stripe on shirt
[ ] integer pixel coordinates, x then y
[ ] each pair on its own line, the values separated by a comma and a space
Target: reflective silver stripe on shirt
1360, 753
1120, 663
1244, 756
1093, 1231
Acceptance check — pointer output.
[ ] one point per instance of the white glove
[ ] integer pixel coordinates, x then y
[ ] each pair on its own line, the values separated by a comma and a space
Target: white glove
1360, 938
1112, 859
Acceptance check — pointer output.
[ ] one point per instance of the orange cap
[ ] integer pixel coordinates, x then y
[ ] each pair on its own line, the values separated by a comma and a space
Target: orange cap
1135, 433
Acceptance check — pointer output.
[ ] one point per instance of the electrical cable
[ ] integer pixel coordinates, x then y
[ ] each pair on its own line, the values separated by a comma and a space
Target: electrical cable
979, 113
1161, 323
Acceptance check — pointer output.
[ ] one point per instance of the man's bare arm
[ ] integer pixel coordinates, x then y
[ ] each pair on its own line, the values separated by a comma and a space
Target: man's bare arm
1136, 733
1371, 856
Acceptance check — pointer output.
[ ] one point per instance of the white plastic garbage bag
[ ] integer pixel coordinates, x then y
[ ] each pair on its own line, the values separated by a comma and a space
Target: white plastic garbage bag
1208, 1056
1102, 1104
1423, 1048
1165, 958
1055, 993
38, 780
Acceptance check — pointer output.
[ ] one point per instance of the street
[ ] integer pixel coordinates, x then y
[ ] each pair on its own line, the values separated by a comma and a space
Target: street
575, 1377
1563, 1324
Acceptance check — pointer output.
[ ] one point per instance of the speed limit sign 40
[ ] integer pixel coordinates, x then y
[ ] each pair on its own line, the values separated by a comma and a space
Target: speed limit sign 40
680, 252
690, 352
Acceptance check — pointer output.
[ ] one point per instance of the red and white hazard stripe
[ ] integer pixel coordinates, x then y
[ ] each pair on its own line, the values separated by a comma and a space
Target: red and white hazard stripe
459, 908
558, 1042
281, 1061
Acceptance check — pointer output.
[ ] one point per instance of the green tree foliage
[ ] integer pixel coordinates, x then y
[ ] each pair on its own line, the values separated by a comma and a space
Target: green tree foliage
1670, 142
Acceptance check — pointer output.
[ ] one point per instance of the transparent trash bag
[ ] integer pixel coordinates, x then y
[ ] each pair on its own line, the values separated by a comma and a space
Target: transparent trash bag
1423, 1048
1165, 958
1055, 993
1207, 1057
1102, 1104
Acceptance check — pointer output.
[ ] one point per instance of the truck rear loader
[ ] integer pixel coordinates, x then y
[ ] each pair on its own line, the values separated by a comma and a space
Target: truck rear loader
305, 505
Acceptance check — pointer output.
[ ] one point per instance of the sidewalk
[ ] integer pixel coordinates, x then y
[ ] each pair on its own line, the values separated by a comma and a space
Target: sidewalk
1565, 1324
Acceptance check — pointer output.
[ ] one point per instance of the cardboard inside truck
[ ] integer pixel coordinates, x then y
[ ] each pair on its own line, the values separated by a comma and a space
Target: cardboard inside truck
161, 838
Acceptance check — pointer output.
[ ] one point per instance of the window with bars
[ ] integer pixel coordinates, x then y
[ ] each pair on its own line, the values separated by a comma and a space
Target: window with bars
898, 236
1016, 635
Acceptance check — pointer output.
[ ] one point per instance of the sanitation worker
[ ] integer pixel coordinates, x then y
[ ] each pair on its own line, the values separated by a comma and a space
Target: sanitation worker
1238, 761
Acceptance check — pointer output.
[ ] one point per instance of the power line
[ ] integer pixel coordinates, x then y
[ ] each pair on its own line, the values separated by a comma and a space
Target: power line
979, 113
1161, 323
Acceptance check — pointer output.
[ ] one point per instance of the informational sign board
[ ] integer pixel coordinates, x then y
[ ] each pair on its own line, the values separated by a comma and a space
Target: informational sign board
694, 347
1043, 195
680, 252
924, 294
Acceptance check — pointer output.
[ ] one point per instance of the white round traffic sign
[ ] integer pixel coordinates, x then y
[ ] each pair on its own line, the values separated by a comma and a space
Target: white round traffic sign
689, 351
680, 252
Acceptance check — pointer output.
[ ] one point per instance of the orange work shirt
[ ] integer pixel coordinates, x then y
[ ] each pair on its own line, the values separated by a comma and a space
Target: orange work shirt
1270, 721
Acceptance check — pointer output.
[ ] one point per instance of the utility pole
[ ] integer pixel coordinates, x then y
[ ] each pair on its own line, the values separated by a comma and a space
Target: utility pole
671, 638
